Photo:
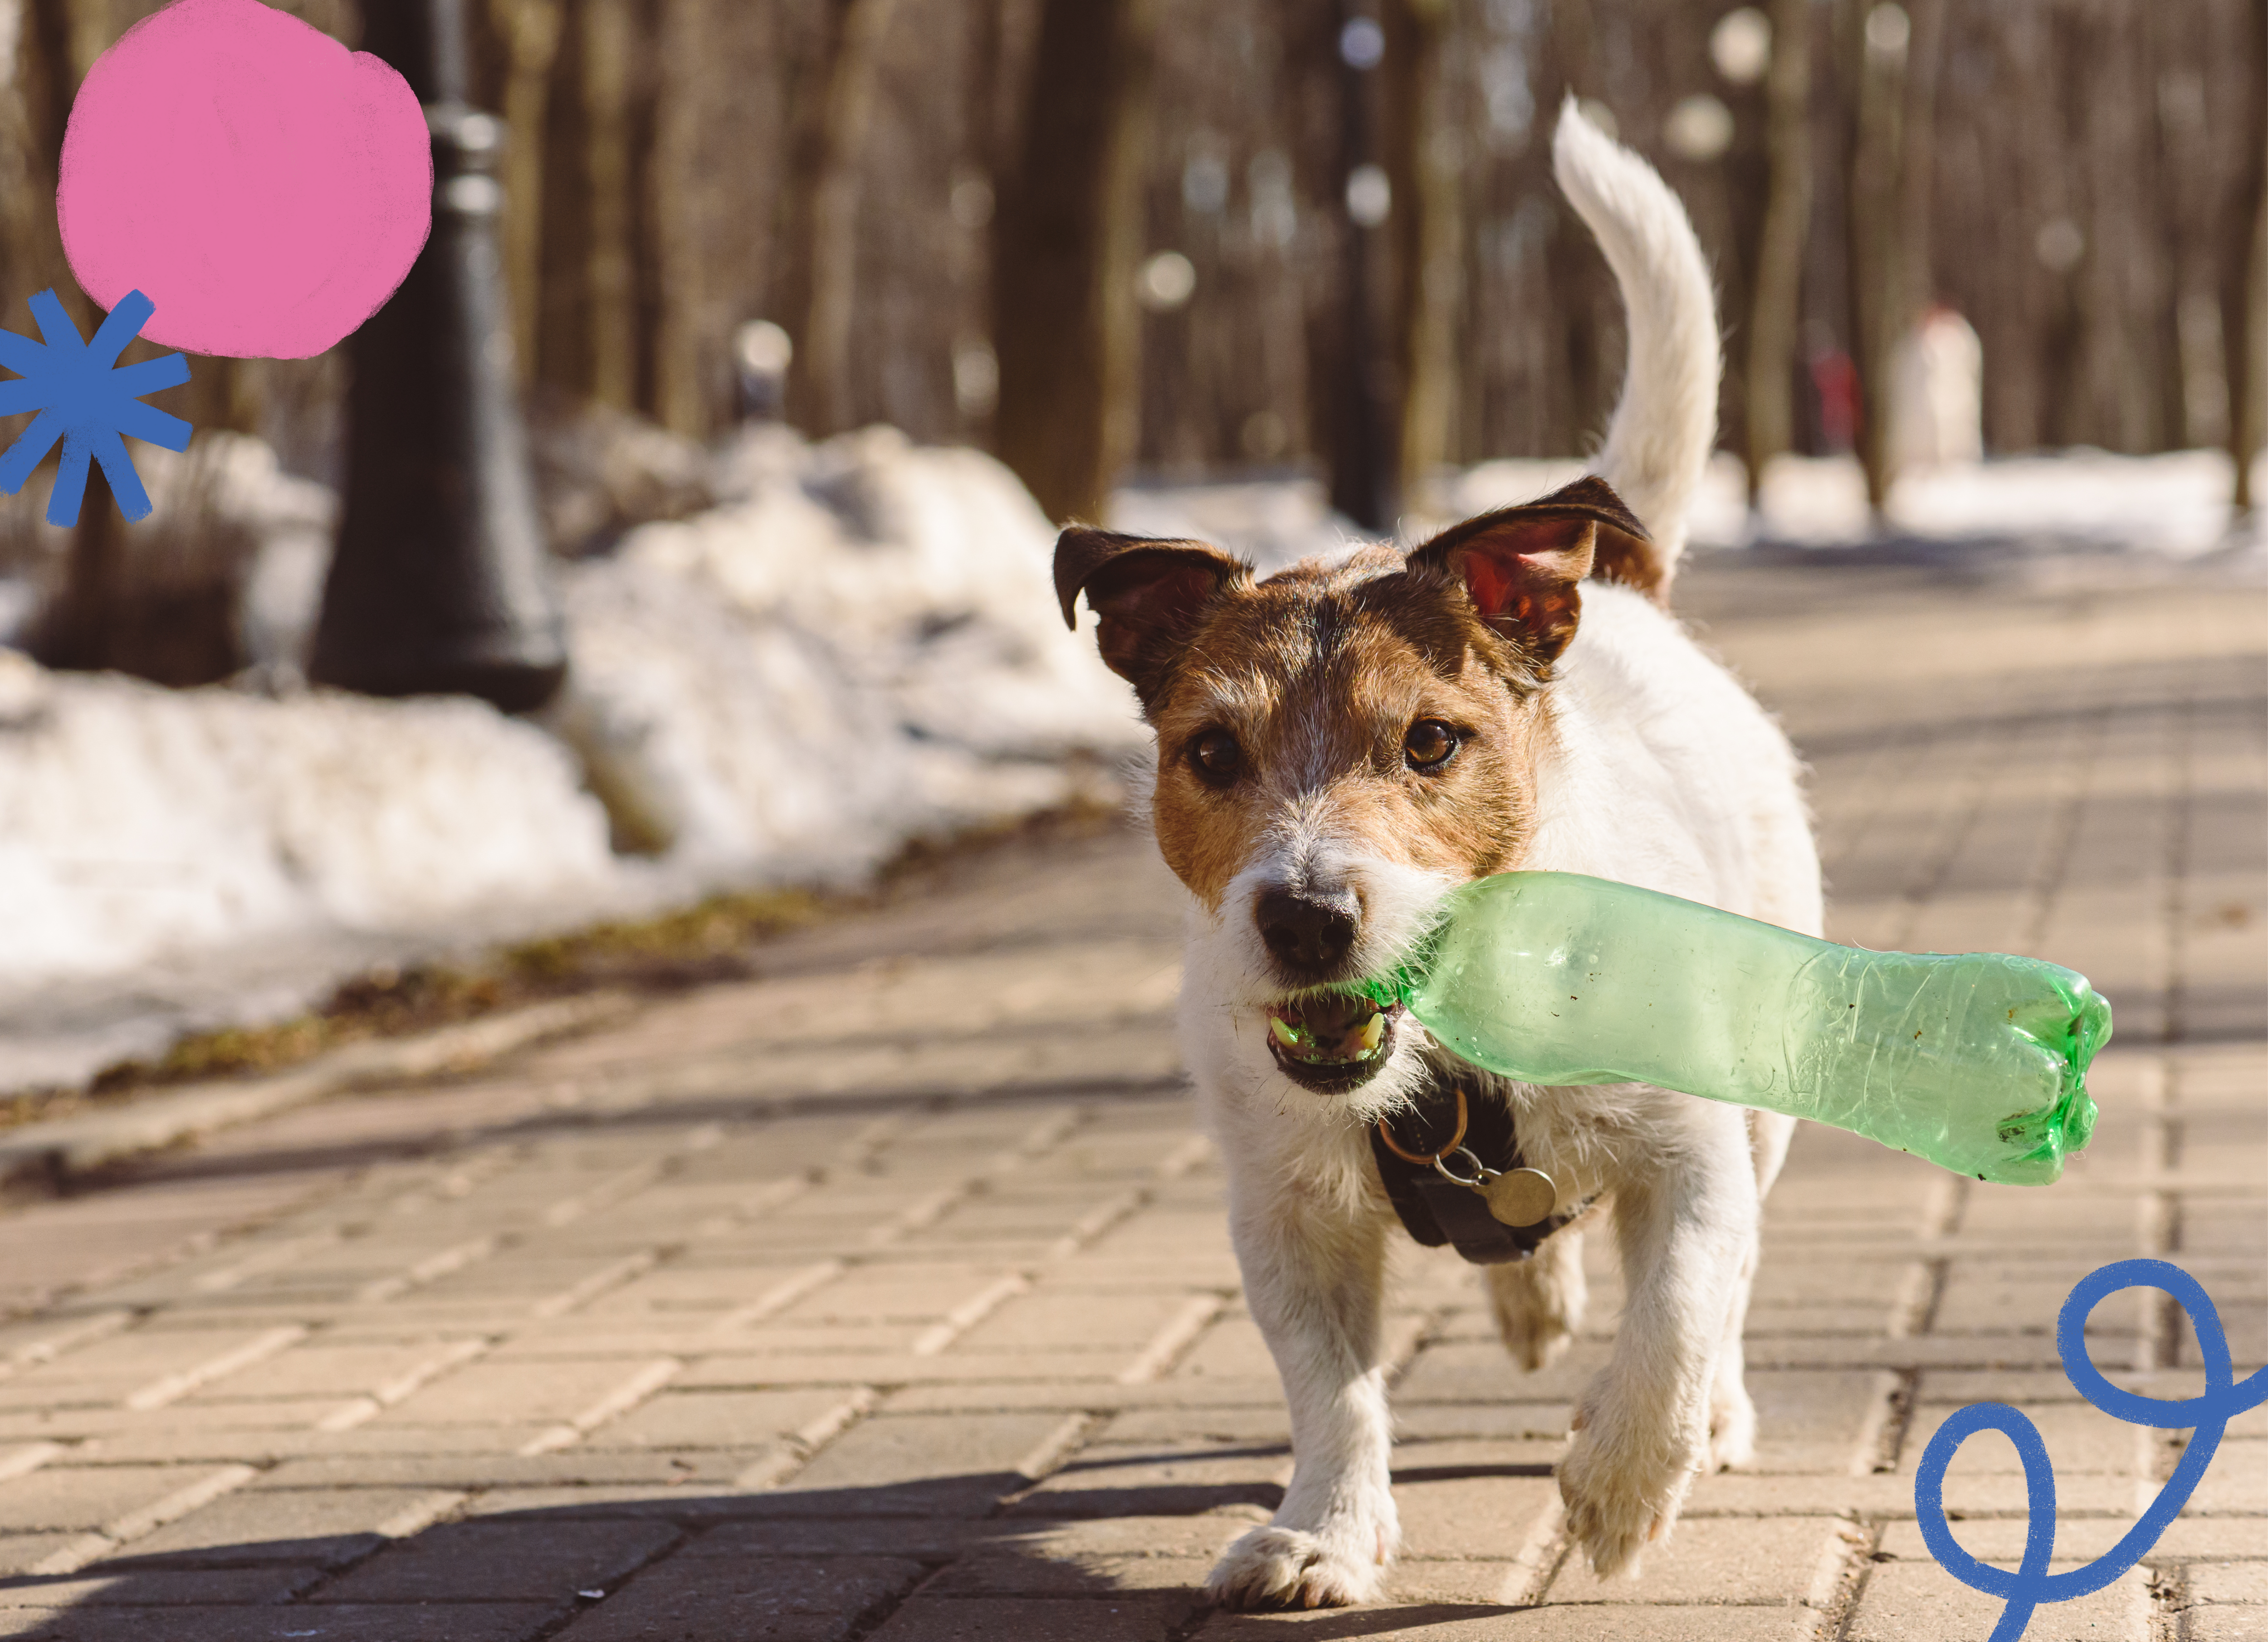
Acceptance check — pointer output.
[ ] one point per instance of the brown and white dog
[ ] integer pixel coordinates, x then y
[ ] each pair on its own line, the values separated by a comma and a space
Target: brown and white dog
1341, 742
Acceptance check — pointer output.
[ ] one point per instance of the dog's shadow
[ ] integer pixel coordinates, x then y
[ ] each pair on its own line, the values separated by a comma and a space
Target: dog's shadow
973, 1554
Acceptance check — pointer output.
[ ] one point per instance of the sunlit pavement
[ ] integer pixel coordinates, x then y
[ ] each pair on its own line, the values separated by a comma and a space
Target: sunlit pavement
889, 1294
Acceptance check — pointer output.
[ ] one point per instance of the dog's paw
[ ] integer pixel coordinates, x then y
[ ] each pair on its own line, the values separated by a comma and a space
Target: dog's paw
1732, 1429
1622, 1495
1289, 1567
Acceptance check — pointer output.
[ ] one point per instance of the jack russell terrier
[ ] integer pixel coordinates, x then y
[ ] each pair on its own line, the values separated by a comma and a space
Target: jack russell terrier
1340, 743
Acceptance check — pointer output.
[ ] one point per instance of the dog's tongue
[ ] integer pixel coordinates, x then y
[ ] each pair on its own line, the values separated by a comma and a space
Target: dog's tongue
1336, 1028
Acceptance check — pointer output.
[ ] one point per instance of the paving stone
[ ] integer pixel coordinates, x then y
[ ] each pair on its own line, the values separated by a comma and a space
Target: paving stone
87, 1497
2079, 1438
20, 1553
566, 1467
2230, 1582
502, 1560
1422, 1582
1484, 1372
1044, 1571
1712, 1559
1183, 1479
324, 1526
456, 1622
2236, 1481
125, 1583
2222, 1625
1480, 1622
924, 1463
484, 1393
744, 1420
1469, 1499
785, 1601
1142, 1617
1909, 1601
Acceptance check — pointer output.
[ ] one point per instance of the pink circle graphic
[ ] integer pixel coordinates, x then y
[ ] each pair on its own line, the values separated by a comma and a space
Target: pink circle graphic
267, 187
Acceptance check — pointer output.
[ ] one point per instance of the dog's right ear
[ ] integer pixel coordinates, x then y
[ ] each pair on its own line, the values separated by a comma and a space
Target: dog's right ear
1150, 594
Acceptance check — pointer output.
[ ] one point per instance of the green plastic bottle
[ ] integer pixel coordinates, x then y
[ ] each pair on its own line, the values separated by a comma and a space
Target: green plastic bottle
1976, 1062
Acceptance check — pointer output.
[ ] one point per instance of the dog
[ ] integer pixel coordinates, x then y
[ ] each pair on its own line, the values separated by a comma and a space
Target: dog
1342, 742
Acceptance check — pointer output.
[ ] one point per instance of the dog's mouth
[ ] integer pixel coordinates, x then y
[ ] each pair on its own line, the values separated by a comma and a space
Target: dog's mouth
1331, 1043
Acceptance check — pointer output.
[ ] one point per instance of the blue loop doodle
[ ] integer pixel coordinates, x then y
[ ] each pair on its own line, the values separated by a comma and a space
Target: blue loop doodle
86, 404
2224, 1398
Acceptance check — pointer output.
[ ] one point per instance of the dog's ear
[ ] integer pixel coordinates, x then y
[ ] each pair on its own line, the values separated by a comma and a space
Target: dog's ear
1150, 595
1522, 567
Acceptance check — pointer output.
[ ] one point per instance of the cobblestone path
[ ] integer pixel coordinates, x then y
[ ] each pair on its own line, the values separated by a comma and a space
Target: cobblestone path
888, 1294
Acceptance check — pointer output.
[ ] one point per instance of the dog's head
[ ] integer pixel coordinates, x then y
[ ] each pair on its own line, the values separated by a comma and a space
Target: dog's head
1340, 743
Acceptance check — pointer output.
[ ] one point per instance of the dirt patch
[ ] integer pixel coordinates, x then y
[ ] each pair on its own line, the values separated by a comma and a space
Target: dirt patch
714, 940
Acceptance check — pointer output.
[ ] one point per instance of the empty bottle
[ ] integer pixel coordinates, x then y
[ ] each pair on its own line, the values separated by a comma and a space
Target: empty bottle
1976, 1062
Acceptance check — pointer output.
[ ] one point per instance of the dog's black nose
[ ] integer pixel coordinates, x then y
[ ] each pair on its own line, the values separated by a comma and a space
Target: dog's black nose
1308, 934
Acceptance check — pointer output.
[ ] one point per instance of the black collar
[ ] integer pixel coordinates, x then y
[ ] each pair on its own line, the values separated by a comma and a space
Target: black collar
1435, 1210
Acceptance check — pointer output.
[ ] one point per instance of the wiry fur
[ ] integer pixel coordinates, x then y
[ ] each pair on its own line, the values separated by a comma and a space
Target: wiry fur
1629, 755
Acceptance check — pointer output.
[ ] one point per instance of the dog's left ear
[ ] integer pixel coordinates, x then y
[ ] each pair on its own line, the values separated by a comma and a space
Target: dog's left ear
1150, 597
1523, 566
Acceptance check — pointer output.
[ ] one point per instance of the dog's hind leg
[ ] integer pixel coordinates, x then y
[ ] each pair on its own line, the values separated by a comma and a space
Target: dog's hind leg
1313, 1279
1538, 1302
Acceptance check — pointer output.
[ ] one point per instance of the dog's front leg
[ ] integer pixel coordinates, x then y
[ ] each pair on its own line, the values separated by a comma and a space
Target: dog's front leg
1312, 1277
1686, 1225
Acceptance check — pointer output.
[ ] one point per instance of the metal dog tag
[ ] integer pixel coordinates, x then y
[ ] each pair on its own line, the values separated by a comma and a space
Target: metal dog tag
1519, 1198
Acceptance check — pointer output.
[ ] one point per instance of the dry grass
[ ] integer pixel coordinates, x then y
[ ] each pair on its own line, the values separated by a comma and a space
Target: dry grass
716, 939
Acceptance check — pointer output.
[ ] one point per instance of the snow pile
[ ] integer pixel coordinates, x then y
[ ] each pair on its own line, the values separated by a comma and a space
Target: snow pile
137, 821
860, 645
2174, 505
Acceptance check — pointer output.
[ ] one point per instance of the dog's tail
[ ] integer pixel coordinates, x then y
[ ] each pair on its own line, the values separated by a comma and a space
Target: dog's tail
1666, 420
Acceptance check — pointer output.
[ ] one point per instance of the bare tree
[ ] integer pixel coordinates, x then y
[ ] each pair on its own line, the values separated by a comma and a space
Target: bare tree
1775, 308
2244, 259
1424, 162
1067, 239
528, 32
823, 359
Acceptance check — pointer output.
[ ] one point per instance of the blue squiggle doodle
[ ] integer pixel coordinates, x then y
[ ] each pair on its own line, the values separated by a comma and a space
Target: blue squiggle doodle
2225, 1398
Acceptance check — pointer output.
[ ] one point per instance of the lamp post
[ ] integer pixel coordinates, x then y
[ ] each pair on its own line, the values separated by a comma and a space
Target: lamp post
1363, 477
438, 584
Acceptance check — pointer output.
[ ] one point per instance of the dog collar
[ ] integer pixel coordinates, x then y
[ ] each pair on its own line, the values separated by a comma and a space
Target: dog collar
1446, 1190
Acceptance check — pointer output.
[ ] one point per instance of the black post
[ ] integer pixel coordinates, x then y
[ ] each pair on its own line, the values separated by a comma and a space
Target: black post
1363, 472
438, 581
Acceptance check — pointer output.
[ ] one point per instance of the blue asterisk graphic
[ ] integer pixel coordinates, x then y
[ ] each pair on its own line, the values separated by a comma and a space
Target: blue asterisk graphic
86, 404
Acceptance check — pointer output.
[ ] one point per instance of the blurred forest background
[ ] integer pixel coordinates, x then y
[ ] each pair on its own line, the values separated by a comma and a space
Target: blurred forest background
1178, 237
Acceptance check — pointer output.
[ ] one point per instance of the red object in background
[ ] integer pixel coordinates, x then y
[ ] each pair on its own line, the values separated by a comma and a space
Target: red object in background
1835, 378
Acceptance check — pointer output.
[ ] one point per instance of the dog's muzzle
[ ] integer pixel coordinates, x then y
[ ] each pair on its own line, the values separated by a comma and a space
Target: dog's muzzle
1333, 1042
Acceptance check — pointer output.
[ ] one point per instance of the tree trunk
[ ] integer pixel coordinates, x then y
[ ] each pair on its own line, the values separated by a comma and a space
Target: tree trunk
2244, 279
587, 335
1427, 225
1880, 301
1068, 234
678, 392
529, 31
823, 361
1776, 309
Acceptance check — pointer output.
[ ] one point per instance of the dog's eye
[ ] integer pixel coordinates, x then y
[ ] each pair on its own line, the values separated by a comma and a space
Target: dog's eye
1429, 745
1216, 758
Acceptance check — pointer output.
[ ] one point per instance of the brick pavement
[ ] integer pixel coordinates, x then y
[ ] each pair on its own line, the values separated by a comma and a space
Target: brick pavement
888, 1294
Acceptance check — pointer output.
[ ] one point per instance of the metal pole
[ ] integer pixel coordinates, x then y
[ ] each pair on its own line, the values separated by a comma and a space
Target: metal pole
1363, 477
439, 582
